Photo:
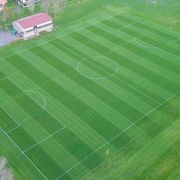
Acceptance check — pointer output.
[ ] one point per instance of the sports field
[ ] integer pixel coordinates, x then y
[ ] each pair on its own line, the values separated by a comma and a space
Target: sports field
99, 102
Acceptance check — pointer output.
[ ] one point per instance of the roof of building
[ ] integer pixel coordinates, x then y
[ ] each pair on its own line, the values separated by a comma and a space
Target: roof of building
34, 20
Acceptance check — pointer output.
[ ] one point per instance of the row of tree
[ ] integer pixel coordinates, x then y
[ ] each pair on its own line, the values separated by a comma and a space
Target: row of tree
46, 5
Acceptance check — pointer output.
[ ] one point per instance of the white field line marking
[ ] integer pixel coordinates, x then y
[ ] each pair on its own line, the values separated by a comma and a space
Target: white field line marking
77, 67
117, 70
10, 115
13, 129
83, 59
116, 136
98, 78
41, 107
44, 139
143, 45
44, 99
3, 78
24, 154
8, 76
152, 46
147, 29
18, 125
55, 37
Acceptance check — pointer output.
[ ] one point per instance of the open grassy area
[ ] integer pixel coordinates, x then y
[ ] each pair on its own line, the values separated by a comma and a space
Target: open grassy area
96, 99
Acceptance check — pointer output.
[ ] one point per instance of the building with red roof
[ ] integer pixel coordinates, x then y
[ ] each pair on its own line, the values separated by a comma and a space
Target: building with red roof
32, 26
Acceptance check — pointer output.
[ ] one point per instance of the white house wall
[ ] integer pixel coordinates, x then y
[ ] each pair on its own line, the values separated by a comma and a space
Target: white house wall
17, 27
28, 35
46, 28
44, 24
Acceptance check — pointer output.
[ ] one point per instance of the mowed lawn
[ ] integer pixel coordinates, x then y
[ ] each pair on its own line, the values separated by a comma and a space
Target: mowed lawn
99, 102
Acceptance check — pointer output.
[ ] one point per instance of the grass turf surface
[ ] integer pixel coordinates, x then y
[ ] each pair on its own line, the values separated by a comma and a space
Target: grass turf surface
68, 112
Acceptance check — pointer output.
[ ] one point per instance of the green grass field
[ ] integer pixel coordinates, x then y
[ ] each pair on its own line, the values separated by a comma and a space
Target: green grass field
98, 101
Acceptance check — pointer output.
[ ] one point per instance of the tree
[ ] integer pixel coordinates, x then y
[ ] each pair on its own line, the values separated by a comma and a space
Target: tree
58, 5
55, 5
45, 5
31, 6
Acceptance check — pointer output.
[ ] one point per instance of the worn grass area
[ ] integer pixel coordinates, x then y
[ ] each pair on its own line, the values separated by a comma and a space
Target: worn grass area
99, 100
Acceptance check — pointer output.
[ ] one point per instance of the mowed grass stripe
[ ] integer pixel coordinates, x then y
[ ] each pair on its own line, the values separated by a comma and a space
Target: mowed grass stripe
152, 39
33, 109
134, 99
149, 40
105, 71
123, 74
51, 50
101, 68
100, 92
57, 109
105, 128
153, 55
6, 122
59, 153
163, 117
157, 57
120, 30
134, 26
85, 96
125, 61
19, 165
152, 149
102, 125
158, 145
65, 163
116, 138
79, 149
2, 76
21, 137
108, 114
65, 148
45, 163
141, 23
154, 68
102, 107
159, 81
45, 122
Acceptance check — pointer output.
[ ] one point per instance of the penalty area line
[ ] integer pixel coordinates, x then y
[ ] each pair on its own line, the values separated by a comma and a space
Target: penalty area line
41, 141
44, 108
24, 154
9, 115
13, 129
42, 96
